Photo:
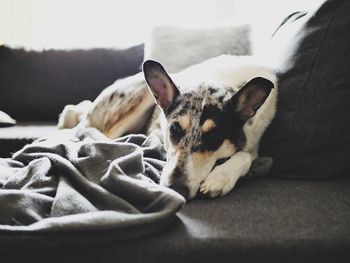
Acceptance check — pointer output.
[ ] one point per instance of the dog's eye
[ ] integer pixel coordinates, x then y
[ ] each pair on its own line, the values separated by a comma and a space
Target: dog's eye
175, 128
212, 139
213, 134
176, 131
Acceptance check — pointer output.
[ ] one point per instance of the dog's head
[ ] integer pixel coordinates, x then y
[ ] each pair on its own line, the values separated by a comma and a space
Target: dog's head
203, 124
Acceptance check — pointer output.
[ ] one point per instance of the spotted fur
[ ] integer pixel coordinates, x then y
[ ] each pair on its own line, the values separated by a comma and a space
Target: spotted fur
206, 114
212, 91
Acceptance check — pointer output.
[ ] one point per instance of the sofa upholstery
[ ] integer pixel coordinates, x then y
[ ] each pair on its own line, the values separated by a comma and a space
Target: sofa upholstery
36, 85
267, 220
14, 138
310, 135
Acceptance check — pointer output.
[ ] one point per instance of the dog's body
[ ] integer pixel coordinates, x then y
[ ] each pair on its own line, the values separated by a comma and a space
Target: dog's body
217, 109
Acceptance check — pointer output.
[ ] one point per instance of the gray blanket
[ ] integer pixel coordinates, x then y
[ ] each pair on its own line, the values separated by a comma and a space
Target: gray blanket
77, 187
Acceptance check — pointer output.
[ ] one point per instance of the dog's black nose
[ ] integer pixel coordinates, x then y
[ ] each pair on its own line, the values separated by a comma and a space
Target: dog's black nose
181, 189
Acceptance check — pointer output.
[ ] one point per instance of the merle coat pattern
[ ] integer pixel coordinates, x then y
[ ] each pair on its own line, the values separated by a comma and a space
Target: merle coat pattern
214, 110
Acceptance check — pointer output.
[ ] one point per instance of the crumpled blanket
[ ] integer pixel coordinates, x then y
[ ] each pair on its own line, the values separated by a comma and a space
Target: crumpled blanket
77, 187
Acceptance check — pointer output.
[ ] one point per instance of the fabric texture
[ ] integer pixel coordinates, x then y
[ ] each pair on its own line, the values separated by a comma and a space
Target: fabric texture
178, 48
267, 220
309, 137
78, 181
51, 79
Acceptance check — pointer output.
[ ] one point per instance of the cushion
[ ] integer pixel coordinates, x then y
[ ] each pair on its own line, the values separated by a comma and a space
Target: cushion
178, 48
267, 220
14, 138
310, 135
6, 120
36, 85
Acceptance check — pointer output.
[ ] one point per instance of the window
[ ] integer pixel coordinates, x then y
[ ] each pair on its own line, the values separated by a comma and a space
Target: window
119, 23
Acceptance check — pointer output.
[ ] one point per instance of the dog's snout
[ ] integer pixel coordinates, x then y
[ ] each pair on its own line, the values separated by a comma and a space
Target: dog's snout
181, 189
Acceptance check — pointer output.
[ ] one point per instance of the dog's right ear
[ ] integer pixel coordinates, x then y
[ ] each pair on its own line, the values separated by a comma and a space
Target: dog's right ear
162, 87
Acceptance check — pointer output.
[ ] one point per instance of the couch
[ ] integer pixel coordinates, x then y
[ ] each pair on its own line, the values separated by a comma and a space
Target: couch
37, 85
299, 213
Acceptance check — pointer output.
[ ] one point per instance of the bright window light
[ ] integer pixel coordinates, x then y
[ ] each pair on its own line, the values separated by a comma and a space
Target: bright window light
41, 24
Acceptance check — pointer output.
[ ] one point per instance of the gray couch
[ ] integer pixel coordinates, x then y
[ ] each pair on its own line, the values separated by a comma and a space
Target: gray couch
299, 213
35, 86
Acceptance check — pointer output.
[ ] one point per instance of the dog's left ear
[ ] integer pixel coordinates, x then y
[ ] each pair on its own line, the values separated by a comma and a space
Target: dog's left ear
161, 85
251, 96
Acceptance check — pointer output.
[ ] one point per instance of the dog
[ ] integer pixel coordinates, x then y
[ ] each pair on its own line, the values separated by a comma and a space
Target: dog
209, 112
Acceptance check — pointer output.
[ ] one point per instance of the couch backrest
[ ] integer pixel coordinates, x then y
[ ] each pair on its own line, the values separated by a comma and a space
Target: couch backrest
310, 135
37, 85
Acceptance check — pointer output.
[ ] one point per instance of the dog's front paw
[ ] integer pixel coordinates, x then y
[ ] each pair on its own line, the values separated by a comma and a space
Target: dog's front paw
218, 183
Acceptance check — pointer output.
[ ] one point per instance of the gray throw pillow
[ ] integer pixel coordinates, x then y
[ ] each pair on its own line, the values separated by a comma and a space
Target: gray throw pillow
179, 48
310, 136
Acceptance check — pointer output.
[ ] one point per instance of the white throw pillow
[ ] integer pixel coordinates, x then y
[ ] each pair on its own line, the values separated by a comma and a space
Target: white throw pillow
178, 48
6, 120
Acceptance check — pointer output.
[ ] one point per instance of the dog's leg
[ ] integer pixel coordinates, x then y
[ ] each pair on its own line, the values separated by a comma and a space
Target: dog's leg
134, 120
124, 107
224, 177
72, 115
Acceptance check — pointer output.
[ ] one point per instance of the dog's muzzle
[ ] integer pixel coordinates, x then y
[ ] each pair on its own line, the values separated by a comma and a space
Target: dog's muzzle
175, 179
181, 189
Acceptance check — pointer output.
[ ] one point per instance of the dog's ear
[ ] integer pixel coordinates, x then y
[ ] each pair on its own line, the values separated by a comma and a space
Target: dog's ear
163, 88
251, 96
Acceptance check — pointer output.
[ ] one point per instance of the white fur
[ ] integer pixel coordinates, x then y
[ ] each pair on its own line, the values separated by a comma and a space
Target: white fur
198, 171
226, 71
113, 117
224, 177
73, 114
234, 72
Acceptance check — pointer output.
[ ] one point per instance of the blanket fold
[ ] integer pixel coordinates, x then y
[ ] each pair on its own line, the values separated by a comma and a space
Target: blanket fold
80, 181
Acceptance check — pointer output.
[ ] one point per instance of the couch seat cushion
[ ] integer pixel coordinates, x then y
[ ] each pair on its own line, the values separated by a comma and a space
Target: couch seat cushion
266, 220
14, 138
